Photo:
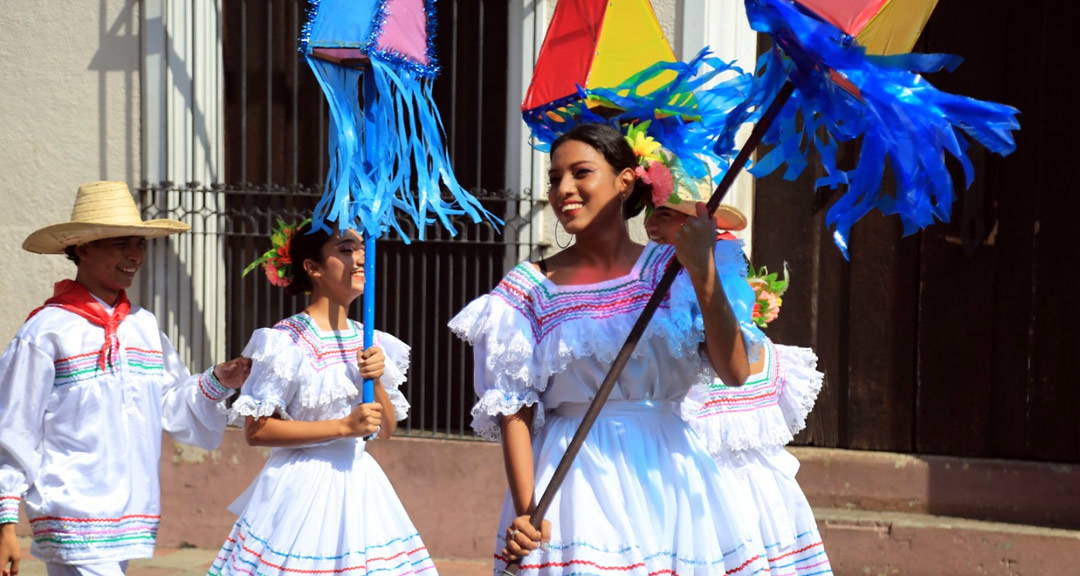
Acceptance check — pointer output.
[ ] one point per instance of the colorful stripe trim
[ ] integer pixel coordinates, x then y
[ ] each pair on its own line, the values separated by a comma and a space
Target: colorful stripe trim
9, 509
547, 306
211, 387
64, 532
149, 362
248, 554
324, 350
760, 391
806, 557
85, 366
756, 564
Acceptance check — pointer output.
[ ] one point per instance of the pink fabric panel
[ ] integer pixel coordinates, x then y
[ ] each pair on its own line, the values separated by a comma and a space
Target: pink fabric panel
405, 30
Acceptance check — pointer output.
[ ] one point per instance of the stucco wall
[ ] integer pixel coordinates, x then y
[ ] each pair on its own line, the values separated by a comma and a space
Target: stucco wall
70, 114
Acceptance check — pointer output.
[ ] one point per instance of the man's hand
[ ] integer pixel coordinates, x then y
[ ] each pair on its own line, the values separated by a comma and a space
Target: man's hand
9, 550
232, 374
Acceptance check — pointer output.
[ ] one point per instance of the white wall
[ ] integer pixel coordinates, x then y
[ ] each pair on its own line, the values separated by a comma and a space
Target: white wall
70, 114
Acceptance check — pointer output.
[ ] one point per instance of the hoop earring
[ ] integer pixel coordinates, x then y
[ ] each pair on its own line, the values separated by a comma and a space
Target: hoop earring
562, 246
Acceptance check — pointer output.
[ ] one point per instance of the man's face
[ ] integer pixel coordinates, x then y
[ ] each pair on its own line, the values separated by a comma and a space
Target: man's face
110, 264
662, 225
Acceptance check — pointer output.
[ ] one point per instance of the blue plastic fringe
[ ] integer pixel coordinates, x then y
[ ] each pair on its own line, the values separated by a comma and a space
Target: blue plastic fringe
900, 117
695, 122
387, 154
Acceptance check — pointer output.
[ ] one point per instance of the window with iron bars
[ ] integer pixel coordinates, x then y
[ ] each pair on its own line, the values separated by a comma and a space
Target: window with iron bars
274, 138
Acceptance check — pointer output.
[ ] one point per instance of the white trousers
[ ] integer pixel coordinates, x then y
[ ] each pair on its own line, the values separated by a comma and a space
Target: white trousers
106, 569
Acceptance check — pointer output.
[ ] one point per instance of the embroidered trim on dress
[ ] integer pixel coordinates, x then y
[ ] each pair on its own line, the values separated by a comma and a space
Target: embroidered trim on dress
58, 532
247, 553
322, 351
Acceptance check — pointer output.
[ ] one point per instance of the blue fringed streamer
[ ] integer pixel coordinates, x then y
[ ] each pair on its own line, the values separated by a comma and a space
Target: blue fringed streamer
900, 117
387, 154
695, 122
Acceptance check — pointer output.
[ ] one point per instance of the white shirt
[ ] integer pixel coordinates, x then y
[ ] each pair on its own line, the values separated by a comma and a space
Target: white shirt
82, 446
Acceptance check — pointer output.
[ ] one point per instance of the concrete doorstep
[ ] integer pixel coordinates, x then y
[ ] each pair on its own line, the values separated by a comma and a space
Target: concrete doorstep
875, 543
195, 562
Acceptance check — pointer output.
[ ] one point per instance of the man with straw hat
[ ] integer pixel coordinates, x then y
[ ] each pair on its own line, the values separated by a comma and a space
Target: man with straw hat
86, 388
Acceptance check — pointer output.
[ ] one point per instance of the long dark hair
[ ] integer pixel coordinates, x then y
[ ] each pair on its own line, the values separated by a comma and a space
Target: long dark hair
610, 143
305, 245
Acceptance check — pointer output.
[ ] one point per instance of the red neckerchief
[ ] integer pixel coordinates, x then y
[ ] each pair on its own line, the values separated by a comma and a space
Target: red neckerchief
73, 297
725, 235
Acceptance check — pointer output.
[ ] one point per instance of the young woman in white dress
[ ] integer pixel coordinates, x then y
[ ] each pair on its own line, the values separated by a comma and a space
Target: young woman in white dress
643, 496
321, 505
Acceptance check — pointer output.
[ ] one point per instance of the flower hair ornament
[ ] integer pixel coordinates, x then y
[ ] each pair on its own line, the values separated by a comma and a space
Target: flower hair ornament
653, 166
276, 261
768, 289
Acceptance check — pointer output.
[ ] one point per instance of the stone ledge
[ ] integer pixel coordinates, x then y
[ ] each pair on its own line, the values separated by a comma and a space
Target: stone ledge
1019, 492
893, 543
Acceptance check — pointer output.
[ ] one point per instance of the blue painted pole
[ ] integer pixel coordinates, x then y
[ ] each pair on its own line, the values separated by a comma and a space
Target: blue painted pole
369, 308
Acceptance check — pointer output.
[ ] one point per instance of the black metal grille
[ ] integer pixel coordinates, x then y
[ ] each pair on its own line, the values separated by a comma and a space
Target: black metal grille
420, 285
275, 162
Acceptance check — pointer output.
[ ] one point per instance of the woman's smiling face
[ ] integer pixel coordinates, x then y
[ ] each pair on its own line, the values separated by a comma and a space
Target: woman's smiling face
584, 188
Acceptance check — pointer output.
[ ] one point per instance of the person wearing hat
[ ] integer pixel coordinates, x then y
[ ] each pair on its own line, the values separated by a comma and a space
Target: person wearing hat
746, 428
86, 387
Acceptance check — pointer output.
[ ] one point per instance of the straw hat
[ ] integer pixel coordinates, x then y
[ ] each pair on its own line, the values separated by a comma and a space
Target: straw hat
726, 217
102, 210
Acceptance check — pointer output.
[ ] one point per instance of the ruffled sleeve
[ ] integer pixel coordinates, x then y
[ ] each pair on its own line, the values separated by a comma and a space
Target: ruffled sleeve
394, 371
272, 385
802, 384
505, 376
767, 411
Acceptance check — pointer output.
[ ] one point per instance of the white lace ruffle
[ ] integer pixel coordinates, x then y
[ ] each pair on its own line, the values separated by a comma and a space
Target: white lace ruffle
394, 374
264, 408
516, 368
276, 363
494, 404
802, 384
769, 426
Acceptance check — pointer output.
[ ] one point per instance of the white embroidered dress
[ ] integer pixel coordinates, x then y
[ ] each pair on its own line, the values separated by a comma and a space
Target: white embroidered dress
324, 508
643, 496
81, 446
745, 429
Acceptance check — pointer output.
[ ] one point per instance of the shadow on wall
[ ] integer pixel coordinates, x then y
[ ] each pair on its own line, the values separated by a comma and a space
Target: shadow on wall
118, 51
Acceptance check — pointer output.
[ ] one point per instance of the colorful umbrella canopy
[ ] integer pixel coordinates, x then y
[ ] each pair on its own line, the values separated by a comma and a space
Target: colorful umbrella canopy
880, 26
594, 44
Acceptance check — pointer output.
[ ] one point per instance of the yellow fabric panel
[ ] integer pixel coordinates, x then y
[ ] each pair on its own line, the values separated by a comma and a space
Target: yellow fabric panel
896, 27
630, 41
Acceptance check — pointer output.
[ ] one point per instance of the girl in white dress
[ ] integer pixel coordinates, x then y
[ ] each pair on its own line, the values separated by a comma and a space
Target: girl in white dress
745, 428
643, 497
321, 505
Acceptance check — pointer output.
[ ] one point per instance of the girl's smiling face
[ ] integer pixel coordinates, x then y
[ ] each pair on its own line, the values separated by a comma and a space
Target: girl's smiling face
340, 275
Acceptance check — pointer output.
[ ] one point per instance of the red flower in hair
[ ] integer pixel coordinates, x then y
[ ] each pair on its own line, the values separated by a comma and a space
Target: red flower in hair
276, 261
659, 178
